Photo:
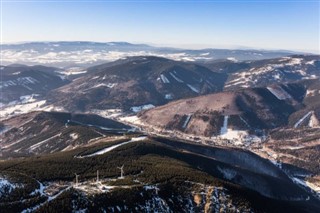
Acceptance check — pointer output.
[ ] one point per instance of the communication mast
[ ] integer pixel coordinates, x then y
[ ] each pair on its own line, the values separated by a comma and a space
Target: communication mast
122, 173
97, 176
77, 182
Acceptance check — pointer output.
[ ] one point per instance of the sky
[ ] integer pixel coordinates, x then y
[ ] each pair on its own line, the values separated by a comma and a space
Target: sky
262, 24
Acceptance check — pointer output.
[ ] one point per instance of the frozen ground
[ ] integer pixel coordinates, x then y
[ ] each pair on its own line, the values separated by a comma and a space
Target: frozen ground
6, 186
28, 104
279, 93
230, 134
140, 108
297, 124
21, 108
108, 149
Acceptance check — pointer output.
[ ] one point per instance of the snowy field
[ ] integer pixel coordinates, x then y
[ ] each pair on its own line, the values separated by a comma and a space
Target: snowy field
108, 149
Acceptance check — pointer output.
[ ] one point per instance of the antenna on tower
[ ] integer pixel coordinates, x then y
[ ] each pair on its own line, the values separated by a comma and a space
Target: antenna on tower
157, 190
76, 179
122, 173
97, 176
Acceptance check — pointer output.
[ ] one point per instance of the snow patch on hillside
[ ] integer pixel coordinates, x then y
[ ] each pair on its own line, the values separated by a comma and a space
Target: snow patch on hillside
131, 119
297, 124
314, 187
164, 79
109, 85
313, 122
74, 136
7, 187
168, 96
107, 113
37, 145
39, 190
237, 135
294, 61
193, 88
205, 54
176, 78
185, 124
21, 108
275, 71
312, 92
310, 62
22, 81
28, 98
224, 128
277, 76
140, 108
280, 93
230, 134
108, 149
72, 71
232, 59
51, 108
22, 100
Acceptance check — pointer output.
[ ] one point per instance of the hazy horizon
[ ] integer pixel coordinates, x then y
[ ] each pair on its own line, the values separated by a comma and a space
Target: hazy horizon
265, 25
183, 47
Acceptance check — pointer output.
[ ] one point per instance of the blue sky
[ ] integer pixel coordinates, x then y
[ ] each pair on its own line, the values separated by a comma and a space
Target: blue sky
292, 25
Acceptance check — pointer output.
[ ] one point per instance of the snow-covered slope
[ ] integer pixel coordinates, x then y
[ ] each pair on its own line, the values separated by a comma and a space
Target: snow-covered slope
19, 81
46, 132
136, 83
280, 70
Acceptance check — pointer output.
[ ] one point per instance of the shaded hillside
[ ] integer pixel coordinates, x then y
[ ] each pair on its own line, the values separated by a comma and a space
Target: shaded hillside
247, 109
46, 132
298, 143
309, 95
137, 81
227, 66
20, 83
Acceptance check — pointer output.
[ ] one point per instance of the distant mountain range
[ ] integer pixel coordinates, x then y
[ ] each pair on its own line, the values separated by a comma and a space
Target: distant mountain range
67, 54
194, 130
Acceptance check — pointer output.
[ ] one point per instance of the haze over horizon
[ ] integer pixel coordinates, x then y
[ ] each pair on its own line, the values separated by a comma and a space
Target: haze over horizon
182, 46
195, 25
